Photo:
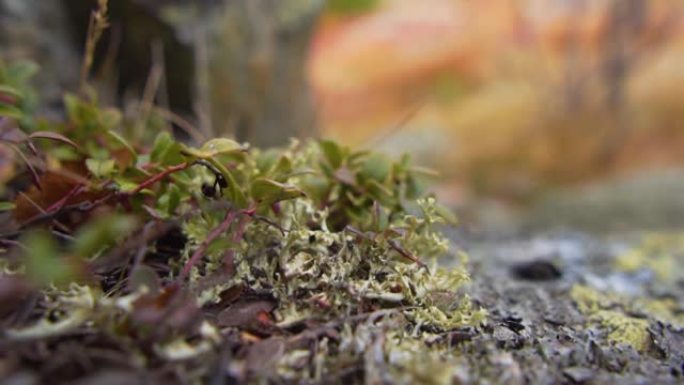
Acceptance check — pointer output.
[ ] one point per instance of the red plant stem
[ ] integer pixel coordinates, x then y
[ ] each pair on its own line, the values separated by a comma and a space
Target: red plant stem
247, 214
197, 255
60, 203
241, 227
157, 177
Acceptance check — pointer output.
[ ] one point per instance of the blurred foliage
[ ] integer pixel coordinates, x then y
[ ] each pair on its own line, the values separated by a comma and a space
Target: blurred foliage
351, 6
508, 99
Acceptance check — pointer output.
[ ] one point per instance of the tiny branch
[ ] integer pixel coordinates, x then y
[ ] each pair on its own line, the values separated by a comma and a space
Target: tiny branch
214, 234
393, 244
157, 177
62, 202
61, 206
406, 254
96, 26
32, 170
271, 223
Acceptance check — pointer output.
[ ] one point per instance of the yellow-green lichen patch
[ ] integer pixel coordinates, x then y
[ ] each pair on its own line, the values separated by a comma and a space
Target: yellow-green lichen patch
623, 329
610, 313
661, 253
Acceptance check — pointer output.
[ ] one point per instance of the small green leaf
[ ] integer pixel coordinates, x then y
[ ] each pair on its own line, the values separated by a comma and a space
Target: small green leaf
282, 170
110, 118
215, 147
72, 106
6, 206
333, 153
8, 90
268, 191
120, 139
265, 160
125, 185
376, 167
379, 191
169, 201
165, 150
22, 71
43, 263
351, 6
100, 168
446, 213
101, 233
10, 111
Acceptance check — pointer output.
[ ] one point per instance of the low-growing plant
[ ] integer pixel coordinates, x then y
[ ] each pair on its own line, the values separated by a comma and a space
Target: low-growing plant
309, 263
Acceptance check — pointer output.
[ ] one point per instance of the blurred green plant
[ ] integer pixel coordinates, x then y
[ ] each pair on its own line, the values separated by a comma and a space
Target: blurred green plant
351, 6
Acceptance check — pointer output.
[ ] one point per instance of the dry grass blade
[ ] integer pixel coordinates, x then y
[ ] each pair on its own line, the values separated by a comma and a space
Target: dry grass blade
97, 25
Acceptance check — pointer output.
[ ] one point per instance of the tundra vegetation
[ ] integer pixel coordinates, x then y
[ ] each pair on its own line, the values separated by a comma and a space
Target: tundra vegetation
129, 255
127, 248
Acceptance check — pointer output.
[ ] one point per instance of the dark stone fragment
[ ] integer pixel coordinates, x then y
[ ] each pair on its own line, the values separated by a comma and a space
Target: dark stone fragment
537, 270
460, 336
513, 323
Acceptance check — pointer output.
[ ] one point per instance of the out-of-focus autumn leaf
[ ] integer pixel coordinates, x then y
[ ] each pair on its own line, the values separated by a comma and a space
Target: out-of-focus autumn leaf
58, 188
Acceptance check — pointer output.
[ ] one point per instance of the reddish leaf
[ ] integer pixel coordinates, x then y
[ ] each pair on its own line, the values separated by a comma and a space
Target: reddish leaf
59, 190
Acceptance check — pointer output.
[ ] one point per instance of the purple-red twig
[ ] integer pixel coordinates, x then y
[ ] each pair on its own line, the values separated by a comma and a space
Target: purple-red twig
157, 177
197, 255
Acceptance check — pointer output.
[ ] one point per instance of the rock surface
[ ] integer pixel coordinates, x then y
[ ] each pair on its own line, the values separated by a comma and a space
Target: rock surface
554, 331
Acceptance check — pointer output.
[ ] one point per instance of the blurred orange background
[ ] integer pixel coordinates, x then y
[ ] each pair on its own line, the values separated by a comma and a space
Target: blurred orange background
507, 98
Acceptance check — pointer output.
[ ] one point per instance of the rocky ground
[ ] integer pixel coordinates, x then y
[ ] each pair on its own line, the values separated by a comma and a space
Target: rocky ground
571, 308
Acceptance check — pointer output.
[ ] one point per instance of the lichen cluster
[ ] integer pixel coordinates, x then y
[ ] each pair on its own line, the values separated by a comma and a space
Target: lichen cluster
659, 252
624, 320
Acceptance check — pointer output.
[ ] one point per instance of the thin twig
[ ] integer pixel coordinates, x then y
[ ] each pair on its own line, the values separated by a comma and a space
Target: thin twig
157, 177
393, 244
197, 136
318, 331
405, 253
32, 170
43, 212
151, 85
97, 24
199, 252
60, 203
